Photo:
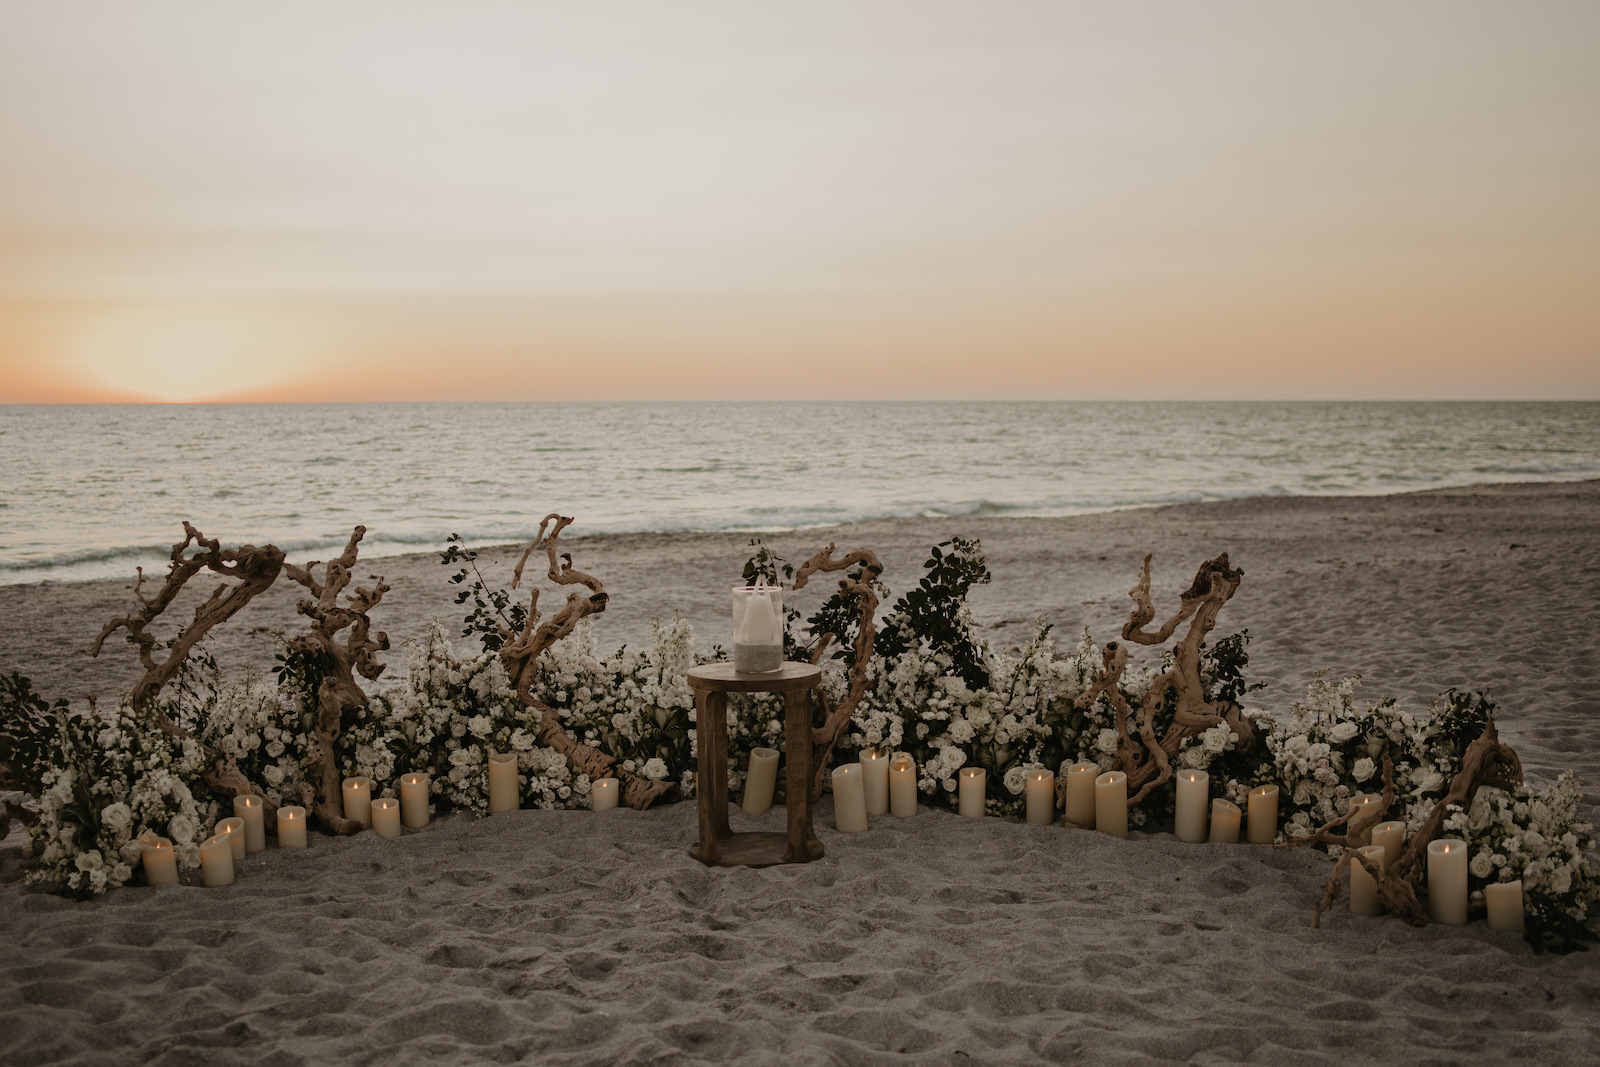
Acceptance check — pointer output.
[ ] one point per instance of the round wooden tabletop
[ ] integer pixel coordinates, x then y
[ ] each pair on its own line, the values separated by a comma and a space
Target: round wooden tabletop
721, 677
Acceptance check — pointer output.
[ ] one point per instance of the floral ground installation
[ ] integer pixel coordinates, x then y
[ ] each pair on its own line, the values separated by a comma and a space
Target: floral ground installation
929, 686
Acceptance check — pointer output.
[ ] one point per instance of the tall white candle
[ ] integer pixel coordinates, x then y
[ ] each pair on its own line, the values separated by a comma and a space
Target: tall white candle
1263, 822
160, 862
1111, 803
1447, 881
216, 861
1504, 901
414, 799
504, 791
1080, 794
902, 785
603, 795
386, 817
849, 799
291, 826
1224, 822
1363, 887
1358, 804
760, 780
972, 791
1189, 815
1041, 790
875, 780
233, 830
357, 792
1392, 836
253, 810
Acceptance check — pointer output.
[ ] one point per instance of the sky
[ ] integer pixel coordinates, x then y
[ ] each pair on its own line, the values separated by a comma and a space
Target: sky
726, 199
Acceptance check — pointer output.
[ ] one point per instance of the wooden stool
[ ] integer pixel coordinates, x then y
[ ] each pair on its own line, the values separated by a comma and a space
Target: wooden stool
718, 846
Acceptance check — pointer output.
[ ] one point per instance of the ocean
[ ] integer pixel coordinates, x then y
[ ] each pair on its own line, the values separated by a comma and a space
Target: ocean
91, 492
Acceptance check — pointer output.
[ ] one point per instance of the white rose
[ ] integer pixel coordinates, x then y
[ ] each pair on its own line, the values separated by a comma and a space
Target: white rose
1107, 741
182, 829
1363, 769
961, 731
655, 769
275, 749
1343, 731
1482, 865
116, 817
1016, 780
1297, 745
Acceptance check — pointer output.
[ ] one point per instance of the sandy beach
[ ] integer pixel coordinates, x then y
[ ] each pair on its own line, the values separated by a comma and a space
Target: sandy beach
580, 937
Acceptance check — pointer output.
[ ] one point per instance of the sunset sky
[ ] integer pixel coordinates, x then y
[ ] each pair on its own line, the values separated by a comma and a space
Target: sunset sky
529, 201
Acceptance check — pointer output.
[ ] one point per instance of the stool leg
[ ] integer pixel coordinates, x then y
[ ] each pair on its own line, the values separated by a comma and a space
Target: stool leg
802, 845
711, 764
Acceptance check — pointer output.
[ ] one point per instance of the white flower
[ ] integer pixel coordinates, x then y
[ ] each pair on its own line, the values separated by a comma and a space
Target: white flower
961, 731
1016, 780
1343, 731
655, 769
1364, 768
117, 818
182, 828
1482, 865
1107, 741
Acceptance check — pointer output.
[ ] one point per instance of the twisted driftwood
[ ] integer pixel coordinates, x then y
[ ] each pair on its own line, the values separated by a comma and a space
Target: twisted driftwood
339, 693
1145, 758
835, 719
520, 654
1487, 761
255, 569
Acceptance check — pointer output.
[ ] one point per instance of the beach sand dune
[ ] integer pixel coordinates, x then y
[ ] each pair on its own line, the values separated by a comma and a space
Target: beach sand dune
579, 937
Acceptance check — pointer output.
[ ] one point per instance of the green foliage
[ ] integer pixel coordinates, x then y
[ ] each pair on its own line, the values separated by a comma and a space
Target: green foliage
301, 669
935, 611
1222, 668
493, 612
30, 729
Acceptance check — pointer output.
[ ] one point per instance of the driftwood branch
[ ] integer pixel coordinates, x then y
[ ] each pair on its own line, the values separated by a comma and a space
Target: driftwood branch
339, 694
835, 719
520, 655
1145, 757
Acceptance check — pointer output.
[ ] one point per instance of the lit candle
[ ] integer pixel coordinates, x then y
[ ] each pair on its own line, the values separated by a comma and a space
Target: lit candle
760, 780
971, 792
358, 799
1358, 804
291, 826
603, 797
1447, 881
386, 817
1504, 900
1392, 836
414, 799
1263, 822
1224, 822
1111, 803
160, 862
504, 795
1041, 789
216, 861
1189, 817
233, 830
252, 809
849, 799
902, 786
875, 780
1363, 887
1080, 794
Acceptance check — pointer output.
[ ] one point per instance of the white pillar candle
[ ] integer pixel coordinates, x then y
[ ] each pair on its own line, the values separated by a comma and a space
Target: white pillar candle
386, 817
216, 861
233, 830
972, 792
603, 795
902, 786
1080, 794
160, 862
1363, 887
1357, 803
875, 780
291, 826
1111, 803
1189, 815
1224, 822
1392, 836
253, 810
1504, 901
414, 799
1447, 881
1041, 790
1263, 821
849, 799
760, 780
504, 792
357, 792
